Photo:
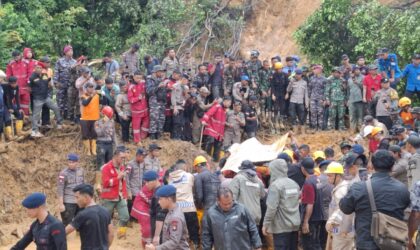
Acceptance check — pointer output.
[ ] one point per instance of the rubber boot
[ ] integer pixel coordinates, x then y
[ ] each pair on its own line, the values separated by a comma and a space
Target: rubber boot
86, 147
122, 232
19, 127
8, 133
98, 181
93, 147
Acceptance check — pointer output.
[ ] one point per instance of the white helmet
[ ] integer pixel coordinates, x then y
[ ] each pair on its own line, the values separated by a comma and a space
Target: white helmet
2, 74
367, 130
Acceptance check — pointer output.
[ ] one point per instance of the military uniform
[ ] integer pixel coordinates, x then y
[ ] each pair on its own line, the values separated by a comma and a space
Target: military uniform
201, 80
170, 65
67, 180
228, 80
73, 94
335, 94
233, 127
151, 164
157, 101
62, 76
316, 89
105, 131
174, 232
188, 66
252, 71
264, 76
178, 100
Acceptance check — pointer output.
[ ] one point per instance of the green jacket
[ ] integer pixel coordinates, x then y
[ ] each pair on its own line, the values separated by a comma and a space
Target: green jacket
282, 213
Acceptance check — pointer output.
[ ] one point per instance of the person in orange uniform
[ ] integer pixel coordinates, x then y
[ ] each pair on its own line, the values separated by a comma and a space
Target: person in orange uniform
405, 113
90, 114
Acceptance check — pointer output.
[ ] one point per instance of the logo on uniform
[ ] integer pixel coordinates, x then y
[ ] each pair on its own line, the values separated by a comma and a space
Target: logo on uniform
174, 225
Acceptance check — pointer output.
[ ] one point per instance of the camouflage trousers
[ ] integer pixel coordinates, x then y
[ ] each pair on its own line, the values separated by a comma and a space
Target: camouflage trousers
157, 116
62, 97
337, 111
73, 103
317, 114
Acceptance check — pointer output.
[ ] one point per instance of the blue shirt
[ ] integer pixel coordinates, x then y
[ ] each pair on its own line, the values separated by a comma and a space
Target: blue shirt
412, 73
391, 63
287, 68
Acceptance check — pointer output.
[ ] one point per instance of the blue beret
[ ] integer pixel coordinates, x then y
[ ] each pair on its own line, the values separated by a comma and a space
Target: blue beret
244, 78
358, 149
72, 157
34, 200
150, 175
166, 191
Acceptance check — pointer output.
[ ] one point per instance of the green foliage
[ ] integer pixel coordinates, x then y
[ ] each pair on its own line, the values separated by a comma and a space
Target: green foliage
358, 27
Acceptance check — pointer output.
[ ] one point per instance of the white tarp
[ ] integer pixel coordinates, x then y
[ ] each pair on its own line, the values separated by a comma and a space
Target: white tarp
254, 151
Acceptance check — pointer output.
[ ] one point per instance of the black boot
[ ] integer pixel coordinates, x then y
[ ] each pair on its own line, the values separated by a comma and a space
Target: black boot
157, 135
152, 136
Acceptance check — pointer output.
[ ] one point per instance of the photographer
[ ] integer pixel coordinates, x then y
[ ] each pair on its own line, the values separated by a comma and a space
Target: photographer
241, 89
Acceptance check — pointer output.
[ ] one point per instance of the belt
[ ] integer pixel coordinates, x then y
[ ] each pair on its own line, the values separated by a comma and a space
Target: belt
103, 142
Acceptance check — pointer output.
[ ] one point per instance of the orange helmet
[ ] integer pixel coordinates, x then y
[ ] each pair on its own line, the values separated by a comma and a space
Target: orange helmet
108, 111
376, 130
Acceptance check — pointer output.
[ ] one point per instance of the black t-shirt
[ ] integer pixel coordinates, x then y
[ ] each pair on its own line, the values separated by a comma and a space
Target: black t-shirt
92, 223
295, 173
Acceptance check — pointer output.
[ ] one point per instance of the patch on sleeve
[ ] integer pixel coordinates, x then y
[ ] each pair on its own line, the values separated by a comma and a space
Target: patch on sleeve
56, 232
174, 225
61, 178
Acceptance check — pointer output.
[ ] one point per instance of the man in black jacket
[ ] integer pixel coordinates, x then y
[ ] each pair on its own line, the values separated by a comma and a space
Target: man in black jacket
229, 225
12, 102
40, 84
279, 83
391, 198
206, 184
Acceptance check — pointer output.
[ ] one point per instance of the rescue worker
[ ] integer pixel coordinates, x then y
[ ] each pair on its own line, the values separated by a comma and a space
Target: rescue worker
105, 140
19, 69
12, 104
178, 100
388, 66
170, 63
282, 218
253, 67
90, 101
335, 97
93, 222
114, 189
235, 120
251, 117
62, 78
137, 98
70, 177
214, 127
199, 109
248, 189
130, 60
413, 171
40, 83
175, 232
339, 225
135, 171
46, 231
371, 84
264, 76
406, 116
206, 184
316, 94
355, 99
28, 58
279, 83
390, 196
229, 76
123, 109
156, 92
297, 94
239, 228
187, 64
386, 100
184, 184
142, 205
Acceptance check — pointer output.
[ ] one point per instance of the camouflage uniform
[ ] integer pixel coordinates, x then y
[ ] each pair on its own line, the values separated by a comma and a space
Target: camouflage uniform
170, 65
188, 65
228, 80
264, 77
157, 102
62, 76
73, 106
316, 88
201, 80
252, 71
335, 94
233, 128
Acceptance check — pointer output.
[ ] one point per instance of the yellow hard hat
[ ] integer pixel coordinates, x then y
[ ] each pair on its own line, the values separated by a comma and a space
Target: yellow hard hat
278, 65
199, 159
404, 102
318, 154
289, 153
376, 131
334, 168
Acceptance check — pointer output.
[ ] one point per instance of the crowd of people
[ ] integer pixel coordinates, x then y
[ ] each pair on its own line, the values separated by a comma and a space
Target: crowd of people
306, 197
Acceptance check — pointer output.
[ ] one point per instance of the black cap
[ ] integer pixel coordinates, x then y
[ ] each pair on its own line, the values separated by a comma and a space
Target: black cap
12, 79
345, 144
135, 46
350, 160
15, 53
395, 148
384, 80
154, 146
344, 57
108, 54
247, 165
382, 159
120, 149
416, 56
177, 71
414, 141
253, 98
237, 103
45, 59
308, 164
